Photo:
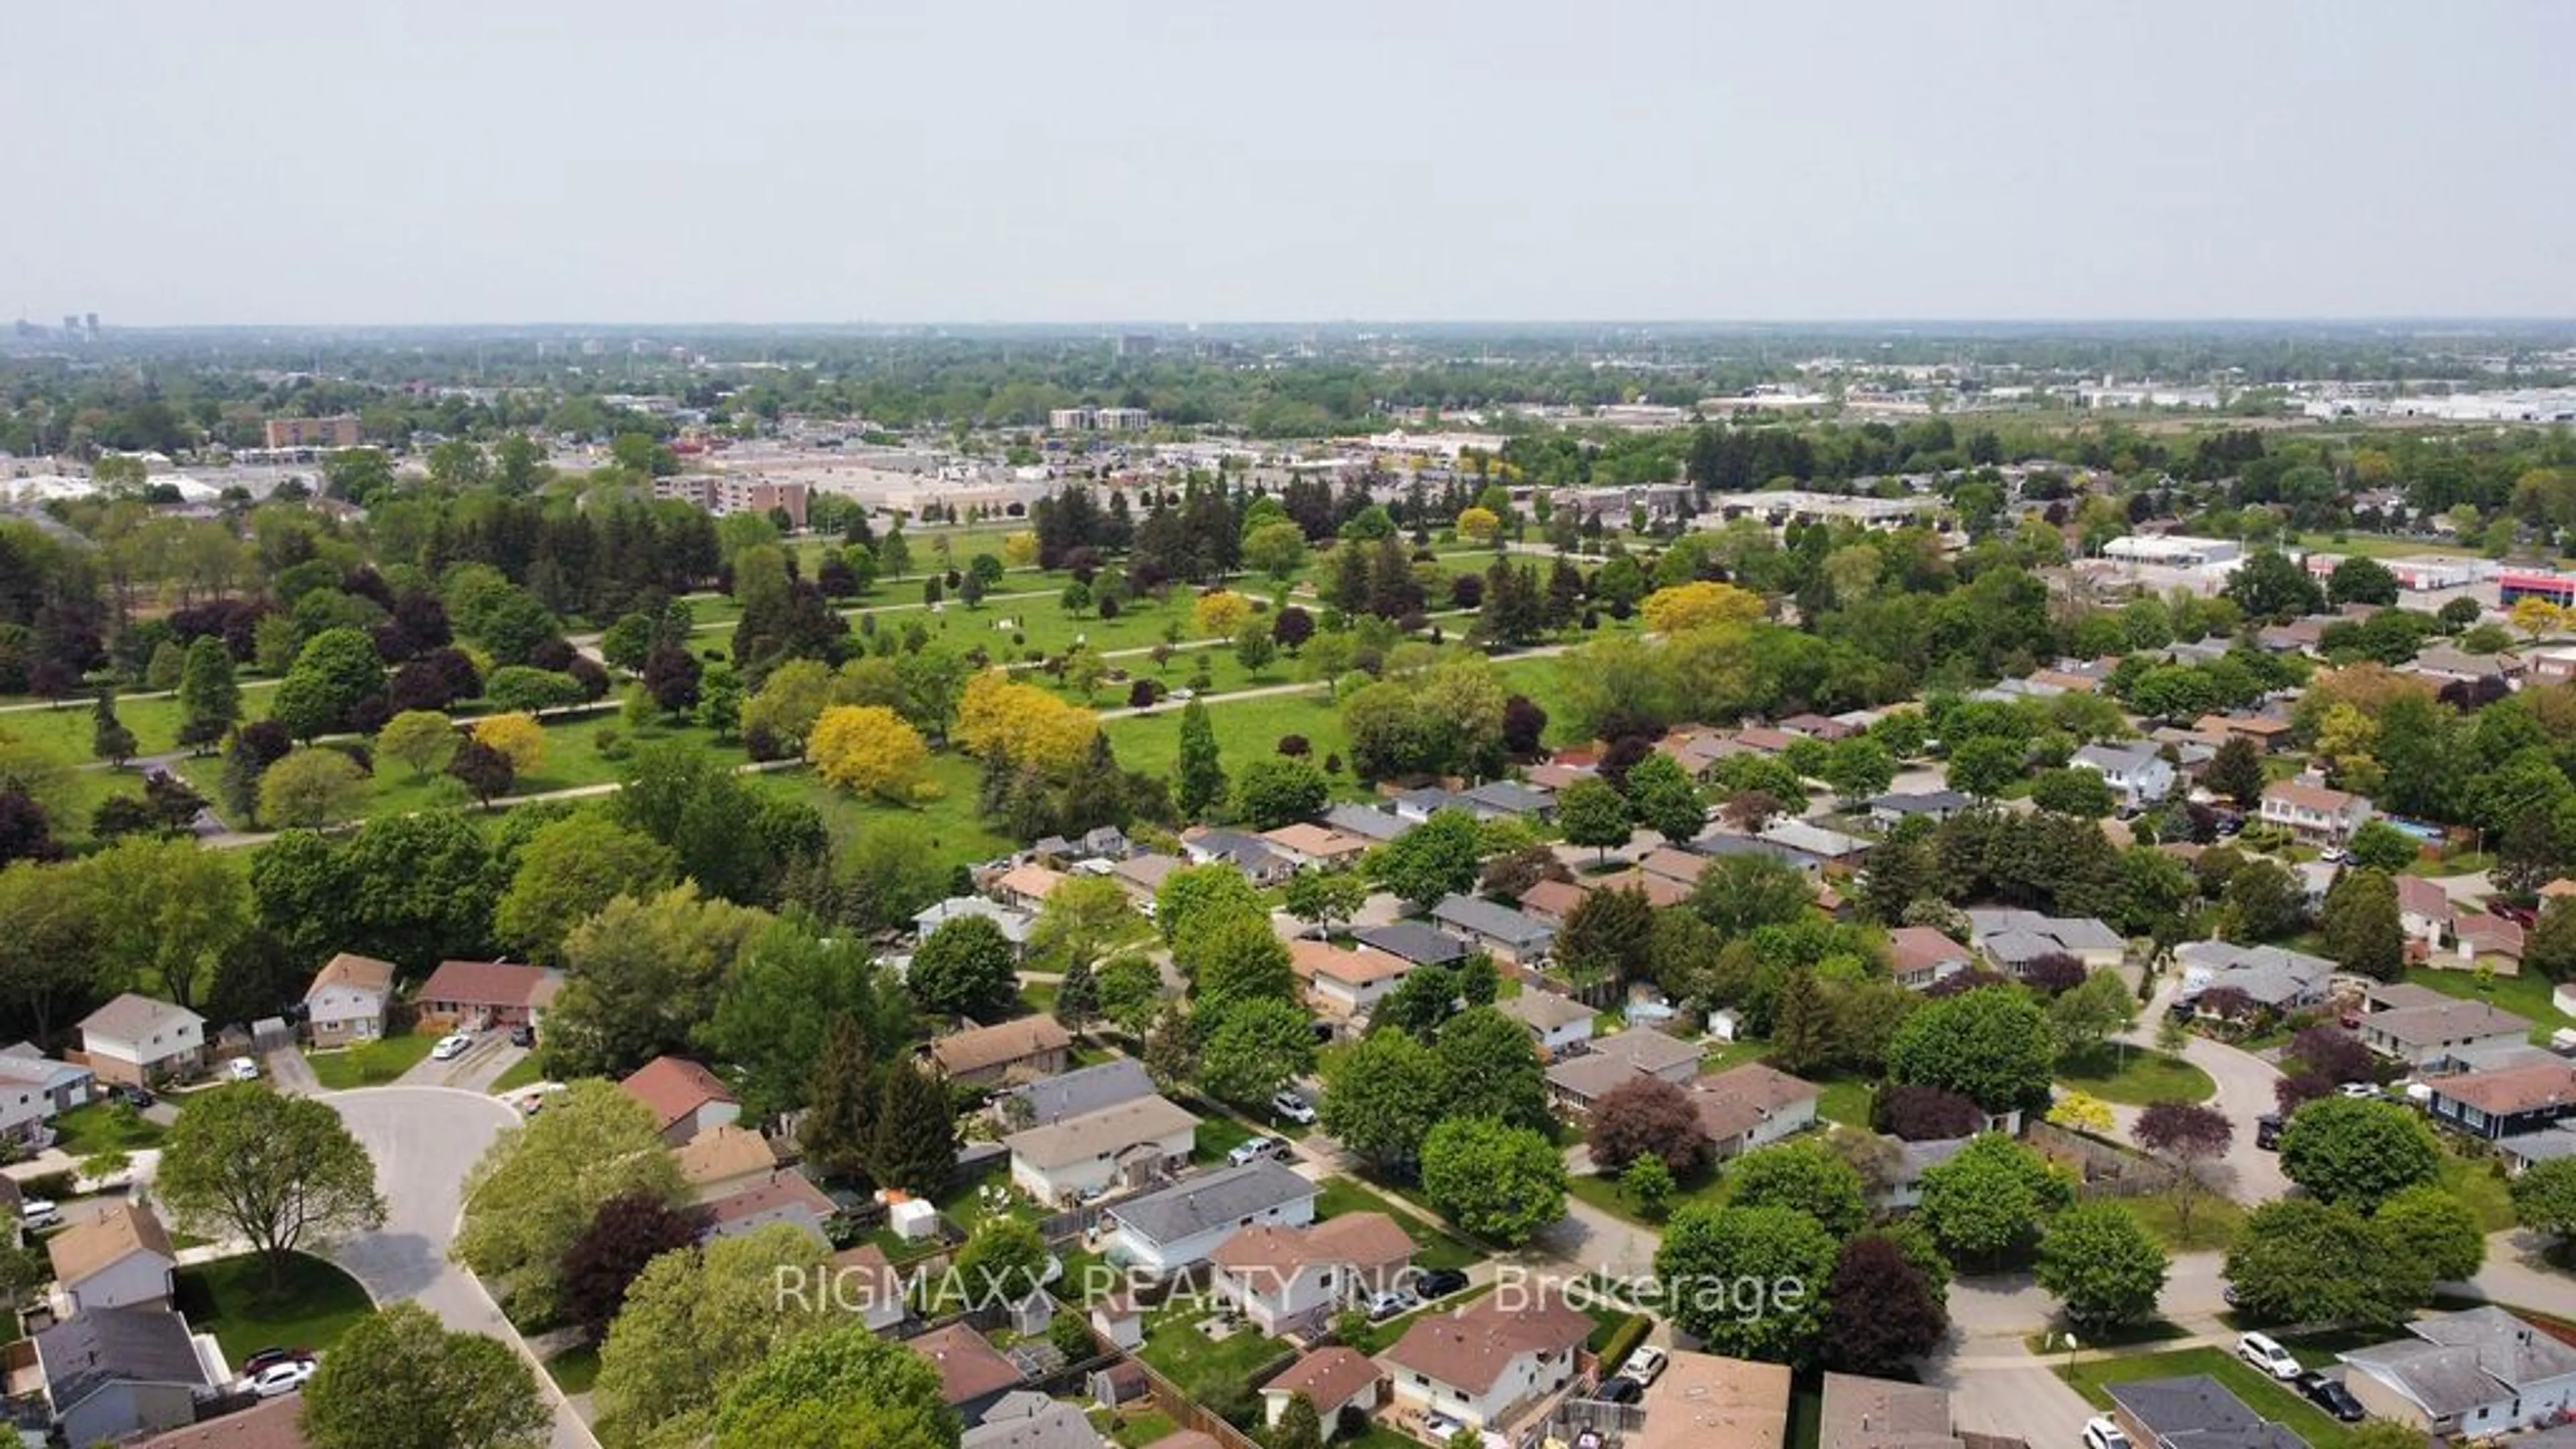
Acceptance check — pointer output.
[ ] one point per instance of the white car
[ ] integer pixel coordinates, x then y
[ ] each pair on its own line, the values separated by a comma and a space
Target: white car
242, 1069
451, 1046
280, 1378
2262, 1351
2360, 1091
2101, 1433
37, 1212
1293, 1108
1258, 1148
1383, 1306
1645, 1365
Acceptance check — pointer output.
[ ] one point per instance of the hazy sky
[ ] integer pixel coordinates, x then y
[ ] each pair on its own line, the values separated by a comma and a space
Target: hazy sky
318, 161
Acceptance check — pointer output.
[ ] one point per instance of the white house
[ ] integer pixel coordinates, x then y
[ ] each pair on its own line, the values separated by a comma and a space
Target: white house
1131, 1144
2314, 813
1480, 1363
137, 1040
346, 1002
1332, 1379
1920, 957
2012, 939
121, 1258
2433, 1033
685, 1098
1178, 1227
1289, 1280
2424, 911
1561, 1023
35, 1089
2137, 774
2472, 1374
1342, 983
1751, 1105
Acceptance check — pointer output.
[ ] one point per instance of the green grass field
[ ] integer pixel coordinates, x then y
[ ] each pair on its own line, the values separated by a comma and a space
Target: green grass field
372, 1064
2136, 1077
522, 1073
104, 1127
231, 1298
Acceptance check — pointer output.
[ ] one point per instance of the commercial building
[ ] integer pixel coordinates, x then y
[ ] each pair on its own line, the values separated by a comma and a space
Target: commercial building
339, 431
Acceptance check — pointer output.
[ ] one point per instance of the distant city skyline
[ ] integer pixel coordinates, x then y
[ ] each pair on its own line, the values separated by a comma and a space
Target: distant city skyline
297, 163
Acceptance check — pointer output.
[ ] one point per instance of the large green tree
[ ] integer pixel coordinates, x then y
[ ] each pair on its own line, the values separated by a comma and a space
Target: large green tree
398, 1379
567, 871
1199, 780
965, 968
1252, 1047
1990, 1045
1806, 1176
842, 1388
1382, 1096
694, 1322
2426, 1223
1988, 1201
1500, 1183
1592, 813
1713, 1257
2345, 1150
2299, 1260
2102, 1265
538, 1186
641, 976
776, 1008
282, 1173
1437, 858
336, 671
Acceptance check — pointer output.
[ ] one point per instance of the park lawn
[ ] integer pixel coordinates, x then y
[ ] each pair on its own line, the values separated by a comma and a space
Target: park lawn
1434, 1246
104, 1127
63, 728
2480, 1186
2260, 1392
525, 1072
2372, 545
2215, 1218
945, 829
2136, 1076
231, 1299
575, 1369
373, 1065
2526, 995
1246, 730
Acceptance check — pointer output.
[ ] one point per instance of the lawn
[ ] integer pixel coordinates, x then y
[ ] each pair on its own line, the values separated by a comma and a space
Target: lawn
1136, 1428
2481, 1186
575, 1369
2264, 1395
230, 1298
1037, 998
522, 1073
1176, 1348
2526, 995
1218, 1136
104, 1127
945, 830
2214, 1220
371, 1065
2136, 1076
1845, 1100
1436, 1246
1706, 1188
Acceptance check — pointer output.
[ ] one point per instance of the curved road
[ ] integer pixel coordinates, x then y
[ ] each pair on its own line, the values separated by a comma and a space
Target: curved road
424, 1140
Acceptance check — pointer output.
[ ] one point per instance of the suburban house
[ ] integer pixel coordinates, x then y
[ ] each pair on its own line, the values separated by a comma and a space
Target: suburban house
724, 1160
973, 1375
1683, 868
1578, 1081
1750, 1106
1071, 1094
2315, 814
1027, 1419
1505, 932
2012, 939
475, 995
1249, 854
2137, 774
2471, 1374
1829, 846
1904, 1180
684, 1098
1896, 807
1104, 844
865, 1279
121, 1258
1345, 984
2424, 912
1706, 1401
1290, 1280
783, 1197
1132, 1144
1334, 1380
2192, 1411
346, 1002
1014, 923
2506, 1101
1919, 957
137, 1040
1026, 886
271, 1425
2262, 729
2273, 978
118, 1372
1368, 822
1480, 1364
1178, 1227
1510, 799
1413, 941
1316, 847
35, 1089
1562, 1024
1867, 1413
1022, 1048
1550, 902
2435, 1034
2485, 941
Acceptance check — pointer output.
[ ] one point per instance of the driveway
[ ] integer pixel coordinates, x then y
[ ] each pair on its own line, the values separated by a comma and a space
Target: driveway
291, 1074
475, 1071
424, 1140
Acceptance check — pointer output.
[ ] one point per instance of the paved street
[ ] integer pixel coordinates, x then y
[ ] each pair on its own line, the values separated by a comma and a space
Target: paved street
424, 1140
2247, 1173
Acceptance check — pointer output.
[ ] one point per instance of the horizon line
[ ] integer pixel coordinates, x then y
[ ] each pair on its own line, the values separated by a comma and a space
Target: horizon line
1893, 323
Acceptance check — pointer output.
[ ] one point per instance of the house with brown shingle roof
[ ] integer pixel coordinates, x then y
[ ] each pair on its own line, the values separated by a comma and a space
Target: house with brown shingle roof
684, 1098
2489, 941
270, 1425
1025, 887
2263, 730
121, 1258
1332, 1379
1345, 983
138, 1040
346, 1001
1752, 1105
1706, 1401
2315, 814
1482, 1363
477, 995
1919, 956
1290, 1279
1023, 1048
1551, 901
783, 1197
1316, 847
725, 1159
2508, 1101
972, 1373
865, 1280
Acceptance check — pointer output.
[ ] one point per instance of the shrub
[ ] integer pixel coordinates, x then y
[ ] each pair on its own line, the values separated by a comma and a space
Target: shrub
1294, 746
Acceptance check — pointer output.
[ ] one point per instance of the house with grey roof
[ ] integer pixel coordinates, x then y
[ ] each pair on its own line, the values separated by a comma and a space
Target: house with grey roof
1014, 923
1575, 1083
1420, 805
2439, 1035
2193, 1412
1177, 1227
110, 1373
1810, 839
1896, 807
1499, 929
2137, 774
1511, 799
1719, 844
1260, 862
1368, 822
1415, 942
1071, 1094
2471, 1374
35, 1089
2012, 939
2272, 977
1026, 1419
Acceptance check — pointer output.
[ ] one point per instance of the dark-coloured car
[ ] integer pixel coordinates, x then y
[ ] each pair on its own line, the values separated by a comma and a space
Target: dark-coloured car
523, 1035
1619, 1391
2331, 1396
131, 1095
2267, 1132
1438, 1283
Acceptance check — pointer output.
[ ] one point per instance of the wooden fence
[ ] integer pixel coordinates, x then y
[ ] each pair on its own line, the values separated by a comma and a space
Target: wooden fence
2105, 1168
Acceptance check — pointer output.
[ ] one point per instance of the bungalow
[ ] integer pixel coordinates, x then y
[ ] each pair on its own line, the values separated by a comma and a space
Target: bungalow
2485, 941
1751, 1105
1683, 868
346, 1001
1511, 800
1289, 1280
684, 1098
1577, 1082
475, 995
1015, 923
863, 1278
2137, 774
118, 1372
1130, 1145
2012, 939
1499, 929
1249, 854
1829, 846
1417, 806
2190, 1412
2272, 977
2266, 732
1104, 843
121, 1258
1818, 727
1316, 847
137, 1040
1551, 776
1022, 1049
2424, 911
2435, 1034
1142, 876
1335, 1380
1762, 740
2444, 664
1705, 1401
1719, 844
35, 1089
1550, 902
1868, 1413
1367, 822
1561, 1024
1345, 984
1904, 1178
1413, 941
785, 1197
1479, 1364
271, 1425
1027, 1419
1025, 887
723, 1160
2476, 1373
1920, 957
2314, 813
2506, 1101
1071, 1094
1896, 807
1177, 1228
1661, 891
973, 1375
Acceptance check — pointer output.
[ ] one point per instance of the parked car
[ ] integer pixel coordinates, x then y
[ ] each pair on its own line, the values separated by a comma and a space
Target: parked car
2262, 1351
1255, 1150
2331, 1396
1438, 1283
132, 1096
1294, 1108
2360, 1091
1645, 1365
523, 1035
1383, 1306
2101, 1433
1618, 1390
2523, 916
242, 1069
2267, 1132
270, 1357
451, 1046
280, 1378
38, 1212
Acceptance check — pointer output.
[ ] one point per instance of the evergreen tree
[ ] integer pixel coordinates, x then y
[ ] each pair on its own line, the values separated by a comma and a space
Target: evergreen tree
839, 1130
894, 556
1299, 1427
109, 739
916, 1132
1199, 781
1351, 584
1802, 1026
2362, 927
2236, 772
209, 696
1077, 997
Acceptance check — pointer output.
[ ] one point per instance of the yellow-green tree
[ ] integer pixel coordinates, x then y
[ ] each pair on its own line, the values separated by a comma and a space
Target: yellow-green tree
310, 789
1478, 525
1693, 605
1221, 613
869, 750
1020, 550
1027, 724
518, 737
